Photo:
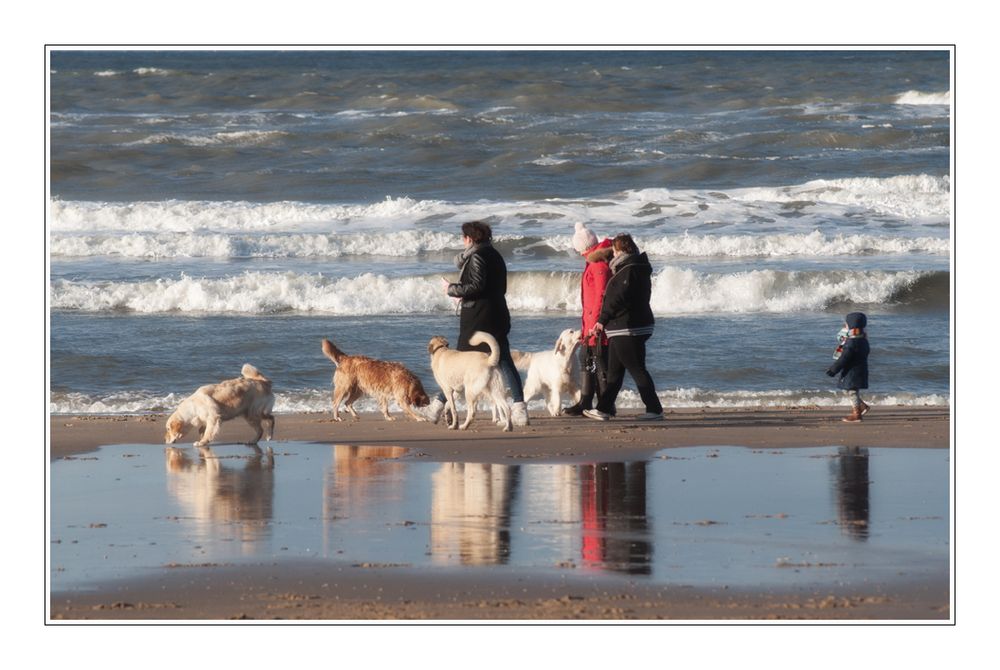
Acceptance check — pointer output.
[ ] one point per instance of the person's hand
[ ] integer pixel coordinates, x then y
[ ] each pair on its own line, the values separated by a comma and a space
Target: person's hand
445, 284
597, 329
830, 373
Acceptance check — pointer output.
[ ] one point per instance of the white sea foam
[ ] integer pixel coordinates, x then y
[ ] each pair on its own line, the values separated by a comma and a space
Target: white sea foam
674, 291
143, 71
409, 243
906, 196
234, 138
921, 98
821, 204
107, 73
318, 400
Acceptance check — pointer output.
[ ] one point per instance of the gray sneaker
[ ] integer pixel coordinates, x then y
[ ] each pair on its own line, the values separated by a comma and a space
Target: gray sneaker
519, 414
649, 416
596, 414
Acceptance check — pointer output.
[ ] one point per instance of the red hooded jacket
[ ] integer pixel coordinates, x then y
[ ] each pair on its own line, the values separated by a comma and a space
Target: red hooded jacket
595, 278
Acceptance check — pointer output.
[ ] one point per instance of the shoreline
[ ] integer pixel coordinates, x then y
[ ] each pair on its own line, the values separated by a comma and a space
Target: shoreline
572, 438
304, 590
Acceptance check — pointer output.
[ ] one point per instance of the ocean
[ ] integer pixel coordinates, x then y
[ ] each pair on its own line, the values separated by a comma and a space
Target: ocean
210, 208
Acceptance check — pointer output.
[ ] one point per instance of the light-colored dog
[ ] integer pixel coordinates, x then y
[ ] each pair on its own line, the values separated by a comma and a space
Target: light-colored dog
382, 380
250, 396
471, 371
552, 373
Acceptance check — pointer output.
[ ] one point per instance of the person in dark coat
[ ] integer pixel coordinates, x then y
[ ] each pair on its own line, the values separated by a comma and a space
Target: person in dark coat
851, 362
627, 320
482, 290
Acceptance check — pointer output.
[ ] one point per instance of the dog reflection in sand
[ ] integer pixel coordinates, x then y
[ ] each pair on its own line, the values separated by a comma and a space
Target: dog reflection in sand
382, 380
238, 501
250, 396
553, 372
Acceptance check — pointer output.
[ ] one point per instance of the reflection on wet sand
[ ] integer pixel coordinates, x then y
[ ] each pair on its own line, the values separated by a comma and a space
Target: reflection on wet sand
355, 484
229, 503
470, 512
615, 531
851, 487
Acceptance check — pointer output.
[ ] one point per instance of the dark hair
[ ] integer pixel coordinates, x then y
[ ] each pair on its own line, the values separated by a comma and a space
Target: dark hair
477, 231
624, 242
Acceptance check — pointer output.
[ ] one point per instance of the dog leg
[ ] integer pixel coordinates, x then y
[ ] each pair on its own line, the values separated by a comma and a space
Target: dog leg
338, 396
470, 402
353, 395
256, 423
555, 402
450, 406
268, 422
212, 427
383, 404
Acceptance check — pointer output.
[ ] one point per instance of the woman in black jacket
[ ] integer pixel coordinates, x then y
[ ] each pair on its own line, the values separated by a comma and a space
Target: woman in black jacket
627, 320
482, 288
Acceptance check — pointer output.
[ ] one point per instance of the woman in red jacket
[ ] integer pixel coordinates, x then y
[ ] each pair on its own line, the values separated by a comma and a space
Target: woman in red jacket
594, 349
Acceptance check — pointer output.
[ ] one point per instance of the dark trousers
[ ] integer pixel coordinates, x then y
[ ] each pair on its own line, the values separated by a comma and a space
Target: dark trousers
627, 352
593, 373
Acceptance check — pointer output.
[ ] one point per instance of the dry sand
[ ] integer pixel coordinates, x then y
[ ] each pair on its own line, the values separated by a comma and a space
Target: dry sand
305, 591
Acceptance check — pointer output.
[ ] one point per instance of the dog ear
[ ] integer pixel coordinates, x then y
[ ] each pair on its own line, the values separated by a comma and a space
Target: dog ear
560, 347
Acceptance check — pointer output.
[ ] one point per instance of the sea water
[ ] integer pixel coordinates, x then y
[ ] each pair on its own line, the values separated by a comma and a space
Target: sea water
214, 208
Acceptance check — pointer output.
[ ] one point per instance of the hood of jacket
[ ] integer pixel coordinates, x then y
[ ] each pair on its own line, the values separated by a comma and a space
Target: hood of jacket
600, 252
638, 263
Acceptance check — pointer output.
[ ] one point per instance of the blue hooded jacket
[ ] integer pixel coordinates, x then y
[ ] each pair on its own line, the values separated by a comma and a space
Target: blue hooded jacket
853, 362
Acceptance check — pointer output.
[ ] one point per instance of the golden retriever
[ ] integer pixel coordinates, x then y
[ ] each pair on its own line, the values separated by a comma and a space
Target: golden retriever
473, 371
382, 380
250, 396
551, 373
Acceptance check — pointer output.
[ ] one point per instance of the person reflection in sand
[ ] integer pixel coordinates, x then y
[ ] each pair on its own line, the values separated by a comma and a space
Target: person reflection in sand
470, 512
227, 503
851, 485
615, 529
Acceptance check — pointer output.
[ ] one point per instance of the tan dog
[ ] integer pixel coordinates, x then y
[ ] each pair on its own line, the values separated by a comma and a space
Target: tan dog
250, 396
552, 373
382, 380
471, 371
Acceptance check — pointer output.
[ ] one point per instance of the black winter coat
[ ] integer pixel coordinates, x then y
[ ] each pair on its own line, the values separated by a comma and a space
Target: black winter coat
482, 286
626, 297
852, 364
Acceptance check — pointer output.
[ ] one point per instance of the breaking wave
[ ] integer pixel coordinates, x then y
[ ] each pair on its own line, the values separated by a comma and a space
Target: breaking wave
675, 291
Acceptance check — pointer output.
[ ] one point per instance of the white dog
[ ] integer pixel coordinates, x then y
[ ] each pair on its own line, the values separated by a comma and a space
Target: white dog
552, 373
473, 371
249, 396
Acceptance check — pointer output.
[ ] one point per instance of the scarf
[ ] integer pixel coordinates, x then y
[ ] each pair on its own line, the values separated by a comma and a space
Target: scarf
463, 258
617, 262
844, 335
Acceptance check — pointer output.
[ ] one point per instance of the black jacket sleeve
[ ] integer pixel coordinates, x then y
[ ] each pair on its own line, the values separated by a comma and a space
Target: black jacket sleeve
473, 282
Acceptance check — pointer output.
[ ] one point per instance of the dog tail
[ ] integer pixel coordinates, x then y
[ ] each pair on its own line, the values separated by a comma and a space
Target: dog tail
332, 352
479, 337
250, 372
522, 359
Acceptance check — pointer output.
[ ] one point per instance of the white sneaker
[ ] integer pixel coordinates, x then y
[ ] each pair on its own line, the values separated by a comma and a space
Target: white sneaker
434, 411
596, 414
649, 416
519, 414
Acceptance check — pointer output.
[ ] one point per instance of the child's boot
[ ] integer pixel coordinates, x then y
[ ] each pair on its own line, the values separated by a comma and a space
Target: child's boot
854, 417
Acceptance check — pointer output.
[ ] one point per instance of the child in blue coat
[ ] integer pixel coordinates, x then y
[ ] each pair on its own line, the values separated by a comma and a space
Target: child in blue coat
851, 362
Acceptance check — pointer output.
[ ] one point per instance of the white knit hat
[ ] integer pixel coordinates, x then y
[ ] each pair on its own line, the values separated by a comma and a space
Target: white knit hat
583, 238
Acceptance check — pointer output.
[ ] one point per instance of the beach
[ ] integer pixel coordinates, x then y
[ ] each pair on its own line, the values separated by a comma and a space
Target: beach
302, 589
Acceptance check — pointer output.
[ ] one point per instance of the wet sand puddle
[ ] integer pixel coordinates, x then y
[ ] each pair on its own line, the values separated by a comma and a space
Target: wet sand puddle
694, 516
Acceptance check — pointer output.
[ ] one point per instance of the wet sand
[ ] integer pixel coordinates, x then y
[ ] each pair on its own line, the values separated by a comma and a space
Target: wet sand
305, 591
